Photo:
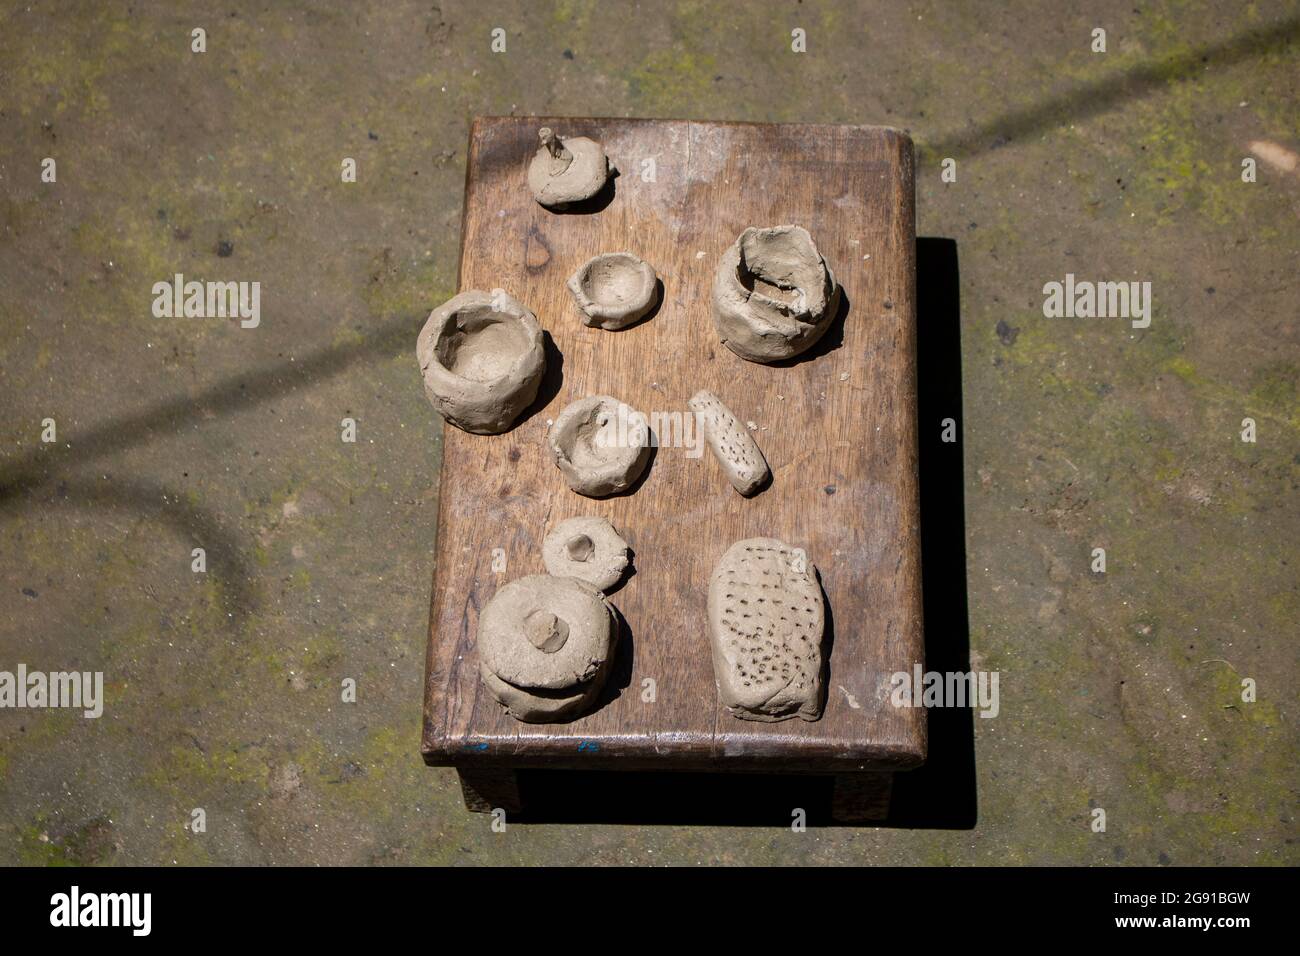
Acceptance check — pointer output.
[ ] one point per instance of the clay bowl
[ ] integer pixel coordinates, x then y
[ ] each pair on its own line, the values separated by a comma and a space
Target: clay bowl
601, 445
482, 359
587, 548
614, 290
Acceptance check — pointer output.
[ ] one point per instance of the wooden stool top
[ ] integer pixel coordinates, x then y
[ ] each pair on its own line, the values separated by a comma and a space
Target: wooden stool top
838, 428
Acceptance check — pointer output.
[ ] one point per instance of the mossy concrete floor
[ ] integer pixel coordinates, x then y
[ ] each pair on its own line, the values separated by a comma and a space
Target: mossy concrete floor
1120, 692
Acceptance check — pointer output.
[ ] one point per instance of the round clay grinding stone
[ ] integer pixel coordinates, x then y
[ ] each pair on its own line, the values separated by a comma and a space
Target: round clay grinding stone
544, 632
754, 319
586, 548
535, 707
595, 444
556, 184
614, 290
482, 359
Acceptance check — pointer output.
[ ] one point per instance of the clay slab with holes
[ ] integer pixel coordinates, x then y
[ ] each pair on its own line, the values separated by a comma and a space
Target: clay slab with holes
837, 426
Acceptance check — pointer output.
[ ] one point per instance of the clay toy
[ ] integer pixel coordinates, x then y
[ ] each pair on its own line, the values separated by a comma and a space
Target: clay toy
765, 628
731, 442
601, 445
614, 290
586, 548
773, 294
544, 646
482, 359
568, 171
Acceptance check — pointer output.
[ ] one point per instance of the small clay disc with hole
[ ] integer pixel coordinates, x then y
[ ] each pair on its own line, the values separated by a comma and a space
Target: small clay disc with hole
586, 548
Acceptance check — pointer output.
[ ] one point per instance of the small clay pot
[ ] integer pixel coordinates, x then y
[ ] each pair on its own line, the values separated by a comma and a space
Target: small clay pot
544, 646
586, 548
773, 294
482, 358
566, 171
614, 290
601, 444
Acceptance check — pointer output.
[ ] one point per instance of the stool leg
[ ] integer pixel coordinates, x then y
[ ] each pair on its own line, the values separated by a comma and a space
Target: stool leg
860, 797
486, 790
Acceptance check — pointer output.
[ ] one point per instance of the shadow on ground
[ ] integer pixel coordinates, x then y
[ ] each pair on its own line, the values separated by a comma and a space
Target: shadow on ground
1095, 98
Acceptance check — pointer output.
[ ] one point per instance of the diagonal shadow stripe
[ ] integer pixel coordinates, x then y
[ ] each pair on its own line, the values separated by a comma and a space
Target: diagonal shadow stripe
1108, 93
192, 525
39, 466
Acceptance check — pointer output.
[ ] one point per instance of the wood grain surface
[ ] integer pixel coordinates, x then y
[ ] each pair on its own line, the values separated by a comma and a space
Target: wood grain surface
838, 427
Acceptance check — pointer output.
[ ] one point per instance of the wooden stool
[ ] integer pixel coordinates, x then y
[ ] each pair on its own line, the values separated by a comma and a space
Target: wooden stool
837, 425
